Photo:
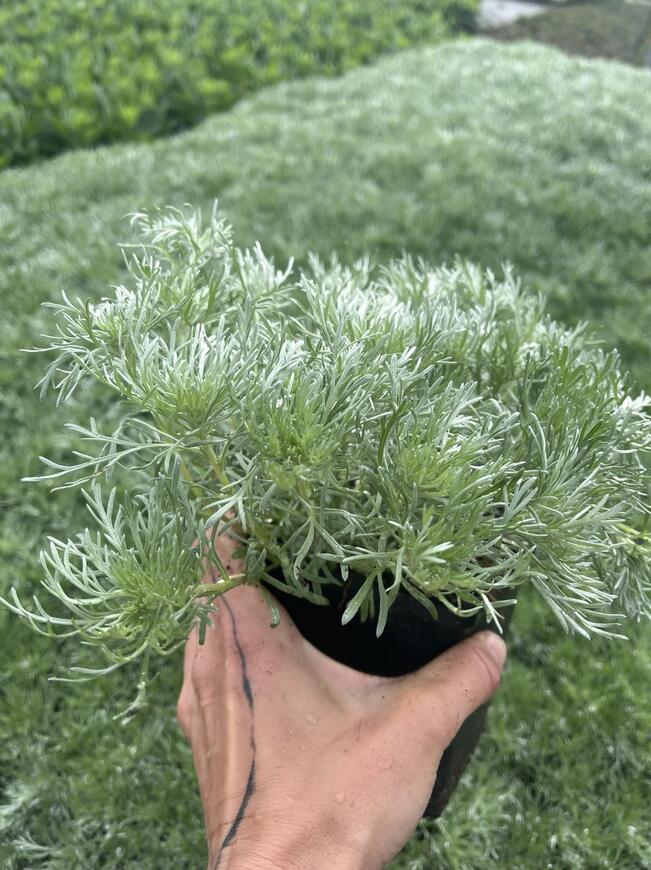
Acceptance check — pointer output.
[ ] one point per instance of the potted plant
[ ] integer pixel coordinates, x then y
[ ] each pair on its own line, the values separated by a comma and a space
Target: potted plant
398, 449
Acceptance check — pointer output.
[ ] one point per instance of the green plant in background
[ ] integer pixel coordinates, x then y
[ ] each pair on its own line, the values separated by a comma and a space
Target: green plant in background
75, 74
427, 430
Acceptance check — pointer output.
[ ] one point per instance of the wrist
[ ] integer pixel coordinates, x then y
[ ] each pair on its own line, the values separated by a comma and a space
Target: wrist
279, 844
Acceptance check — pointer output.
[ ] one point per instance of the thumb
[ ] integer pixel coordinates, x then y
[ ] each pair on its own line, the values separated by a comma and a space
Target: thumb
458, 681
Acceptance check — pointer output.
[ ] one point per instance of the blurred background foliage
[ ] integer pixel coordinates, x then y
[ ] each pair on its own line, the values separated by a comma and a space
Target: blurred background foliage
75, 73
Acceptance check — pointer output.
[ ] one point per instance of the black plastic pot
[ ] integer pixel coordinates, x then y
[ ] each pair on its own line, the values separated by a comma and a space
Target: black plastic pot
410, 640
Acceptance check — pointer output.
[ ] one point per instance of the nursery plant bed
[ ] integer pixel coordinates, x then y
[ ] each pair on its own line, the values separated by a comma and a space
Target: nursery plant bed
550, 679
59, 749
410, 640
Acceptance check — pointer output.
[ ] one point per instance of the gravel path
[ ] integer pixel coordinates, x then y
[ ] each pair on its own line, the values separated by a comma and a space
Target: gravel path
497, 13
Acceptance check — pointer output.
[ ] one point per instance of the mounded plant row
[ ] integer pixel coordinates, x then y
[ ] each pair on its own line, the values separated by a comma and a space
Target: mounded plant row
76, 74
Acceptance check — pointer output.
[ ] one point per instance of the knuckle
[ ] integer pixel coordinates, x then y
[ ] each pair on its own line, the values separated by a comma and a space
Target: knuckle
184, 712
488, 671
202, 675
438, 730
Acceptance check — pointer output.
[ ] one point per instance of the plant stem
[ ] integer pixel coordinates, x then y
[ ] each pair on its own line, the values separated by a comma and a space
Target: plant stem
187, 477
216, 466
214, 589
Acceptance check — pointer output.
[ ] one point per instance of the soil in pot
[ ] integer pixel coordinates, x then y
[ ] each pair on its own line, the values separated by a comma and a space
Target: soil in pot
410, 640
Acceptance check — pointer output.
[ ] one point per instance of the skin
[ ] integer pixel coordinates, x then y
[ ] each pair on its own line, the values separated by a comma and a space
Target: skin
303, 762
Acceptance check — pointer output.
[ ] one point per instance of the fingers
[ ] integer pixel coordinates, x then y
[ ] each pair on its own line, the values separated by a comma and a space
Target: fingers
247, 605
452, 686
225, 545
203, 663
189, 652
240, 629
252, 615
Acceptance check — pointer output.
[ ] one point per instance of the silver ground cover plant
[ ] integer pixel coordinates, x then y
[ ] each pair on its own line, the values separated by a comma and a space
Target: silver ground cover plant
428, 431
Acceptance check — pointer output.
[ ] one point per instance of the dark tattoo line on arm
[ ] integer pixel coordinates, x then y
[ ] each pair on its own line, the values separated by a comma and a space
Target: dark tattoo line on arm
250, 783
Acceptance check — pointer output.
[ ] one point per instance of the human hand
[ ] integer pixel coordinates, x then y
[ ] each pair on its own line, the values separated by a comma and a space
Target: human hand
303, 762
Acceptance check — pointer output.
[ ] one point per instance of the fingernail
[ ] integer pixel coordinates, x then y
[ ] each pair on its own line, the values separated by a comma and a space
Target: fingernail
494, 646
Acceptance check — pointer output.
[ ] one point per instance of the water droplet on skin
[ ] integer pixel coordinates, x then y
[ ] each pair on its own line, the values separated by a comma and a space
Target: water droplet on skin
340, 797
386, 763
311, 718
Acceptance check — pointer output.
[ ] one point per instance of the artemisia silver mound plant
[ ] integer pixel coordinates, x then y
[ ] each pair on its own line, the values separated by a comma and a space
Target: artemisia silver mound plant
429, 430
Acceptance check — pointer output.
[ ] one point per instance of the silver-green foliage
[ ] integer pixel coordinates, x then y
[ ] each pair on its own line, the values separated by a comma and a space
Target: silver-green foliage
427, 430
